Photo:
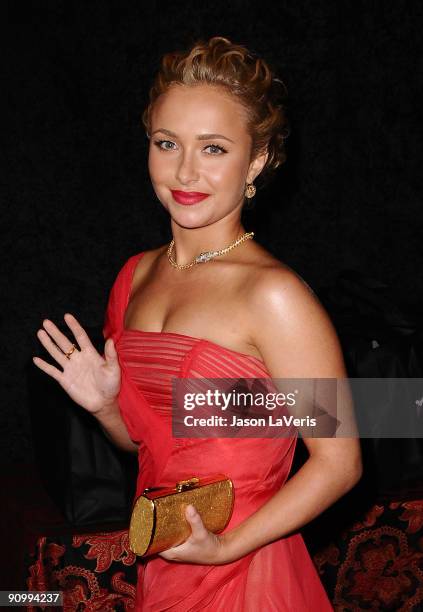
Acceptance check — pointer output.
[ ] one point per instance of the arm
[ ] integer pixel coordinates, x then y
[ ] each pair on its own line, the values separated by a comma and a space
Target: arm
296, 340
332, 469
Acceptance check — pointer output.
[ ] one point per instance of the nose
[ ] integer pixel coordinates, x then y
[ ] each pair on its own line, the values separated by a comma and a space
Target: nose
187, 171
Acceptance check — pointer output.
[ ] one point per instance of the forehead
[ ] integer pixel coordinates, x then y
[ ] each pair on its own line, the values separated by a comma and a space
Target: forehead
199, 108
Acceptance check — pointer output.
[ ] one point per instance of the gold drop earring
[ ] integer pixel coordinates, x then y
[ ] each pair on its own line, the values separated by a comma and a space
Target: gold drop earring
250, 191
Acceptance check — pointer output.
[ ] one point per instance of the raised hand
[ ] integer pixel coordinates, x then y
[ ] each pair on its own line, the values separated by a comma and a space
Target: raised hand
91, 380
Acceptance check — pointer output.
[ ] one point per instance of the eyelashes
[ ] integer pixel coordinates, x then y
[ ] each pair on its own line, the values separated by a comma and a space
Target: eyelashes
160, 143
218, 149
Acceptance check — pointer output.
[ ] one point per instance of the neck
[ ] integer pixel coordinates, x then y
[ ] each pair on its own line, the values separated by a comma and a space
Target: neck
191, 242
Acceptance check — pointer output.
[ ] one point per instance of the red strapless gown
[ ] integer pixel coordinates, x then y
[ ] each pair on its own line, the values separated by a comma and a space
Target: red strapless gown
277, 577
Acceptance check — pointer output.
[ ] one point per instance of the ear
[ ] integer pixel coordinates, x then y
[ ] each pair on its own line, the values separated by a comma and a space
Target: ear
256, 166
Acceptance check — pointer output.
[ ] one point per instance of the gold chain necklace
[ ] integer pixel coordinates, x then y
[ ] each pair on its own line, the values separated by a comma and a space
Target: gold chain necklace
206, 255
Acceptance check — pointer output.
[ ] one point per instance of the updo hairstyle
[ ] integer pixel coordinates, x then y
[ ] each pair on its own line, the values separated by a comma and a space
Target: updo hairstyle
248, 78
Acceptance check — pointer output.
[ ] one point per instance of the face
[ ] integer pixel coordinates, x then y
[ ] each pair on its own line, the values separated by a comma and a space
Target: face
199, 157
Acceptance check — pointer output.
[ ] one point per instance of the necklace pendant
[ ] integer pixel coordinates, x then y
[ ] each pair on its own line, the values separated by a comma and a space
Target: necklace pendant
205, 256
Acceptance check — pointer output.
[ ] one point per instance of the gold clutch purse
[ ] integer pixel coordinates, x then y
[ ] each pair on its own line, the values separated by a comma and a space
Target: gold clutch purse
158, 517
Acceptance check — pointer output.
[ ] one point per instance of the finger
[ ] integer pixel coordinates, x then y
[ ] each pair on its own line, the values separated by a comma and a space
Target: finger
52, 348
48, 368
59, 338
194, 519
78, 331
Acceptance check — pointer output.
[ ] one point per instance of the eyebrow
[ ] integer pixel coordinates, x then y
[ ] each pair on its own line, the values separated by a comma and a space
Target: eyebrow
199, 137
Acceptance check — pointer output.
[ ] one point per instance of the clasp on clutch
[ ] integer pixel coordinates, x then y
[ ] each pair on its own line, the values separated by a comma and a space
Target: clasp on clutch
184, 485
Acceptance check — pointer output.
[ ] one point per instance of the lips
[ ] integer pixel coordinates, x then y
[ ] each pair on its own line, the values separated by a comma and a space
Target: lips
188, 197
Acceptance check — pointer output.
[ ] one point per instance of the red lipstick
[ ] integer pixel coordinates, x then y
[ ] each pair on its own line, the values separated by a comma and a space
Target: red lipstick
188, 197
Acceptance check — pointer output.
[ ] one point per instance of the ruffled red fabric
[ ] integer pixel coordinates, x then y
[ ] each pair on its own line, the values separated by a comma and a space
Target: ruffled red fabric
277, 577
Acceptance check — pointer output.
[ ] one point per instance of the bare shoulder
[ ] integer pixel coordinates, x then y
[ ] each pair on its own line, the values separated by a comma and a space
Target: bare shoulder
276, 286
271, 280
145, 265
290, 327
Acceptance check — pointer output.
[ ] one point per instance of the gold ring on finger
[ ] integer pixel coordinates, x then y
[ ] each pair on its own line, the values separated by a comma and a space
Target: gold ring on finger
69, 353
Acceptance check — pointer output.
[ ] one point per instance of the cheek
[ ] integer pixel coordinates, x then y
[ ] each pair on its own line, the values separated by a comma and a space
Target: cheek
158, 176
158, 165
230, 176
153, 165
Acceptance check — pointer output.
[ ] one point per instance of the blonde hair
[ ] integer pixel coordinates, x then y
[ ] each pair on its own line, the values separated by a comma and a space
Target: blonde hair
248, 78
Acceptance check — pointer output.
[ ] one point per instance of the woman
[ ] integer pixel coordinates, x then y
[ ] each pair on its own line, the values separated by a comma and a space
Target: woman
215, 125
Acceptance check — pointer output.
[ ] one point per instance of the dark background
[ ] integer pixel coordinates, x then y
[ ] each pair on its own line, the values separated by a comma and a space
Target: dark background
76, 198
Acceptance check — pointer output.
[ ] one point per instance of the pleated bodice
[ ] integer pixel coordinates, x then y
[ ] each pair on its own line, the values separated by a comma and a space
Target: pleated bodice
154, 358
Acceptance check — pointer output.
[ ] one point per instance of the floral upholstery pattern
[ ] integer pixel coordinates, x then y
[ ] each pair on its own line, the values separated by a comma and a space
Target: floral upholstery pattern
375, 564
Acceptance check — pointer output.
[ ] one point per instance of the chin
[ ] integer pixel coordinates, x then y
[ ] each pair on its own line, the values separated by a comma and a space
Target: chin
190, 221
188, 216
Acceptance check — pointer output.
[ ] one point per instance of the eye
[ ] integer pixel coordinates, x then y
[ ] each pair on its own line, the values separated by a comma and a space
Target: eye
165, 145
215, 149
